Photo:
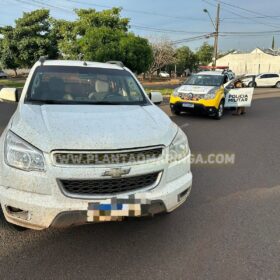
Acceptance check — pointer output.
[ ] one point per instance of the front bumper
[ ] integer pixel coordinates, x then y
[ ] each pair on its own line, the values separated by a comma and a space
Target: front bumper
44, 205
209, 110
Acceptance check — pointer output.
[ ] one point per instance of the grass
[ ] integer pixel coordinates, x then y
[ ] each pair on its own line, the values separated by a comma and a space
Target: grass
164, 91
12, 83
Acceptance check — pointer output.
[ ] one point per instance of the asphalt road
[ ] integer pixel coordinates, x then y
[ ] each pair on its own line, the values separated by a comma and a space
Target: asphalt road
228, 229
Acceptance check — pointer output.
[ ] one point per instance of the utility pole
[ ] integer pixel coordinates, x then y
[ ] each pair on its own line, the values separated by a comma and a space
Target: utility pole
216, 33
217, 27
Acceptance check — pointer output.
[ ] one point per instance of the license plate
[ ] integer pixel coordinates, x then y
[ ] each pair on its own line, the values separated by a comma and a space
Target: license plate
110, 207
188, 105
114, 209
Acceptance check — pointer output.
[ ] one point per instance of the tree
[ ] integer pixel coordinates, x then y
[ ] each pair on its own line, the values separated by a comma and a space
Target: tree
34, 37
102, 36
107, 18
64, 34
185, 59
136, 53
31, 38
98, 35
100, 44
205, 54
163, 55
8, 49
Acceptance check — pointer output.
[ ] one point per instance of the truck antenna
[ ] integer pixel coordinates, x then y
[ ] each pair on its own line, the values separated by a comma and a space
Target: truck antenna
80, 57
42, 59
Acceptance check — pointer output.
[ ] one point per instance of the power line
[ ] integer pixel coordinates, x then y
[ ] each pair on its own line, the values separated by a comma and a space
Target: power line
260, 15
190, 39
136, 11
52, 6
240, 15
250, 32
28, 3
256, 21
229, 18
229, 35
155, 29
243, 9
150, 28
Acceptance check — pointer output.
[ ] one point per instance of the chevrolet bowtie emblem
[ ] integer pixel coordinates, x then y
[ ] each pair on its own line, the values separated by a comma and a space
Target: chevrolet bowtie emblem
116, 172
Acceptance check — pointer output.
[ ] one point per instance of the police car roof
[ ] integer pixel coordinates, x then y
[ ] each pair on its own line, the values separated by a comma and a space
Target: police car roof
211, 73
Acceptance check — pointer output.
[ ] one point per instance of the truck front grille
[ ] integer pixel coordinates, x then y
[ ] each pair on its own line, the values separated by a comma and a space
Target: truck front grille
106, 158
110, 186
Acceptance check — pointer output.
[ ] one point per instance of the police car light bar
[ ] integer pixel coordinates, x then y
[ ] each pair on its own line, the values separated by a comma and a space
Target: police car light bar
214, 67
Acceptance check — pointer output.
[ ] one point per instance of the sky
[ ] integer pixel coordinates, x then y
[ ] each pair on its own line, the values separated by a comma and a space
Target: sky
175, 20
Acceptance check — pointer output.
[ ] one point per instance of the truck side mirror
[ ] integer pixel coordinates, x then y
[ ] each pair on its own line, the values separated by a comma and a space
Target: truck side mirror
9, 94
156, 97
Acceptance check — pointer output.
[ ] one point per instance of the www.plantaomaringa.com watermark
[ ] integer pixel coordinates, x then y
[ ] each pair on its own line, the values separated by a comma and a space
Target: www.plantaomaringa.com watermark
213, 159
143, 158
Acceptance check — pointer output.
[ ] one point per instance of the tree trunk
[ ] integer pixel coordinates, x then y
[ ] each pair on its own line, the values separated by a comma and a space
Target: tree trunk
15, 70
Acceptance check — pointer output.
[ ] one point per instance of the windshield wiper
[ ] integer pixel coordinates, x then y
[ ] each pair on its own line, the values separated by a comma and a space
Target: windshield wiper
47, 101
101, 103
70, 102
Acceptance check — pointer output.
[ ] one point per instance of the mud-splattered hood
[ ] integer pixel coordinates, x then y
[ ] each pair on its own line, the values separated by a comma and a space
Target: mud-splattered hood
92, 127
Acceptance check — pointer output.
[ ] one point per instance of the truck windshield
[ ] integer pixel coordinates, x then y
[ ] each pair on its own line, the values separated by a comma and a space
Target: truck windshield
205, 80
84, 85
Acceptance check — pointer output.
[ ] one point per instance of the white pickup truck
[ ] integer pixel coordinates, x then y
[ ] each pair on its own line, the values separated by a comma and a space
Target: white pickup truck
86, 144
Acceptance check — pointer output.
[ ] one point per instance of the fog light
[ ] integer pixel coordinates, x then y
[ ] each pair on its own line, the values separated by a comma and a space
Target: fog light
183, 194
17, 213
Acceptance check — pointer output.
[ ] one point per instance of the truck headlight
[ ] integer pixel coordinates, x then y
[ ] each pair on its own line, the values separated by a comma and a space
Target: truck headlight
211, 94
19, 154
179, 147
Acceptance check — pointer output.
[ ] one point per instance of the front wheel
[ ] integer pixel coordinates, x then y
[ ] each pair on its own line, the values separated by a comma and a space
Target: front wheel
252, 84
220, 111
176, 112
277, 85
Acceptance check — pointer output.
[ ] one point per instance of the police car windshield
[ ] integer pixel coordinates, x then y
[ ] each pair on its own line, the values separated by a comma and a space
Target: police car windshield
205, 80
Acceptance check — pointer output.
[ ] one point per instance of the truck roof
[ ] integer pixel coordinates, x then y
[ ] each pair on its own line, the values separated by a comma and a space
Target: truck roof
80, 63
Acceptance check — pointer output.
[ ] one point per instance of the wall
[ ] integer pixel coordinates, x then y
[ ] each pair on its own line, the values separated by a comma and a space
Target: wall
251, 63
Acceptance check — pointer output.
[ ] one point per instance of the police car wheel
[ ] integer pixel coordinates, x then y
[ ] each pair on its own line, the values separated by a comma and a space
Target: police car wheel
176, 112
220, 111
252, 84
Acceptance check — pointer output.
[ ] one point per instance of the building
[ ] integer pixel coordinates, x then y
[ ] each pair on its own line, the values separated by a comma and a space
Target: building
256, 62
